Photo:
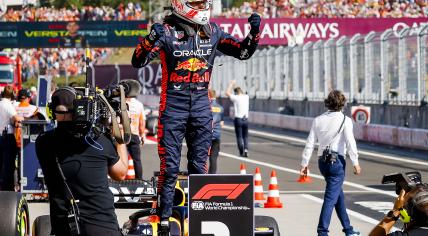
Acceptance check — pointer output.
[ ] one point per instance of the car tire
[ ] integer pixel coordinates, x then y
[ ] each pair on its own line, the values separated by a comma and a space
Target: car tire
267, 222
15, 216
42, 226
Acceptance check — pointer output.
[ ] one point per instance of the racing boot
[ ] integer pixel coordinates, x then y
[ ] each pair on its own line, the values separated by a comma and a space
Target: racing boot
163, 228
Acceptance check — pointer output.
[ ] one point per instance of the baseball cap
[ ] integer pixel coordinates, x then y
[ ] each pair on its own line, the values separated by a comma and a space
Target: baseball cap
63, 96
23, 94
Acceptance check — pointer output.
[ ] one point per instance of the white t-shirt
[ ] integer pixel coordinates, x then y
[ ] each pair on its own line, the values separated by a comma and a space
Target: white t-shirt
135, 112
241, 104
7, 111
324, 131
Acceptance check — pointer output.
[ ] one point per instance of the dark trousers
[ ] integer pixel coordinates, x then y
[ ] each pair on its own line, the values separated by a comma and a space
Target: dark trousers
334, 175
215, 149
134, 149
8, 151
182, 114
241, 131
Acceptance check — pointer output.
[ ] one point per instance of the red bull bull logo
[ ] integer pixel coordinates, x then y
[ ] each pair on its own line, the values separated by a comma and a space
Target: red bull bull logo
193, 64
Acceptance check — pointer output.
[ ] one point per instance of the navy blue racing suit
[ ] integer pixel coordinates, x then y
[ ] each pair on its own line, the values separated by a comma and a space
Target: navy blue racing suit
187, 57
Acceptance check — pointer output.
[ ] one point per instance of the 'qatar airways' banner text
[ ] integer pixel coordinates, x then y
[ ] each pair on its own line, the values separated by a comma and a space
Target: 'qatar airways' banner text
282, 31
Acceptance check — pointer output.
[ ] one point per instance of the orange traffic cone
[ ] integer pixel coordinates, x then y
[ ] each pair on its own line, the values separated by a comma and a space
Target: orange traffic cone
273, 200
131, 171
305, 178
243, 171
258, 186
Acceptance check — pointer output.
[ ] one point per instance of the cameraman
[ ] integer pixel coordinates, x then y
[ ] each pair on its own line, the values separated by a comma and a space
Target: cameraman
85, 162
415, 204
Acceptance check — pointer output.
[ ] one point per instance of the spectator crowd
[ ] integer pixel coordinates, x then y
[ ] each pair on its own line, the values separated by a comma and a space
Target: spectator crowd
62, 62
66, 62
87, 13
331, 8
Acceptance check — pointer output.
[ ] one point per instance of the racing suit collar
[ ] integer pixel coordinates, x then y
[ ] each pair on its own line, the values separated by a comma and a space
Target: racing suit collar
188, 27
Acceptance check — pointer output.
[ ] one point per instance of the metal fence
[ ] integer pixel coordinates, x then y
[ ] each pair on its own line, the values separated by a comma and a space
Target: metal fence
380, 67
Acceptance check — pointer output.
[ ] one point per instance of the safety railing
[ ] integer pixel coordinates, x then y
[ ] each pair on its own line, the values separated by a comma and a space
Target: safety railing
380, 67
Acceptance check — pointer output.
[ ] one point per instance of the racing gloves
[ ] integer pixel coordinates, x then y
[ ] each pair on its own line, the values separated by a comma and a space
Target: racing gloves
254, 21
156, 32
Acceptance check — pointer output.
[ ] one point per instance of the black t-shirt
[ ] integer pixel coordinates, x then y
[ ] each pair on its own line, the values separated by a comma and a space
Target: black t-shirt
418, 231
85, 168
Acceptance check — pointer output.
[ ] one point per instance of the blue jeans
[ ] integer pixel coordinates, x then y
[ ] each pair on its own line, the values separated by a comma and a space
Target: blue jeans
241, 132
334, 175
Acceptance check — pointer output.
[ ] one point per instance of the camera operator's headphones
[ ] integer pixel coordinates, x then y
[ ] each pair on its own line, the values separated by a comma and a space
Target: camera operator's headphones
52, 106
408, 213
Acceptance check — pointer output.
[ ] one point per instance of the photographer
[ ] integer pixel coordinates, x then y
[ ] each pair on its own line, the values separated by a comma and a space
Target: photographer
414, 204
75, 167
333, 131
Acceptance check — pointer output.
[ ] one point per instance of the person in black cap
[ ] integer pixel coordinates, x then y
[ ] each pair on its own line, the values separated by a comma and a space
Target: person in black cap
85, 162
24, 108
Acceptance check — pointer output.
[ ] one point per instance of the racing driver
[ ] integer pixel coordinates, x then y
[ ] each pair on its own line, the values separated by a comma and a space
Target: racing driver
187, 43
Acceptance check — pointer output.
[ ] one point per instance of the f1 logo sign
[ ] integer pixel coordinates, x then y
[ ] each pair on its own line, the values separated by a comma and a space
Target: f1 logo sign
215, 228
230, 191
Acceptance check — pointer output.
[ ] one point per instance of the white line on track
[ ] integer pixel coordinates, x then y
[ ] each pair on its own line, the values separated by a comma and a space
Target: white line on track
355, 185
316, 191
300, 140
350, 212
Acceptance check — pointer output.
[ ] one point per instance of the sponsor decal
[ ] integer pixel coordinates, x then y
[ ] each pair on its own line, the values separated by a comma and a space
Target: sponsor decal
187, 53
216, 109
192, 13
122, 194
193, 64
215, 202
244, 54
282, 31
179, 34
230, 191
189, 78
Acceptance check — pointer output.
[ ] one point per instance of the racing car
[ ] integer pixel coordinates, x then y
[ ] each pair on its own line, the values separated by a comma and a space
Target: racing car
128, 194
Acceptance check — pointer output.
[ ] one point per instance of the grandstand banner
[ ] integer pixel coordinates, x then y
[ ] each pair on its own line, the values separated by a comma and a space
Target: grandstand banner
282, 31
71, 34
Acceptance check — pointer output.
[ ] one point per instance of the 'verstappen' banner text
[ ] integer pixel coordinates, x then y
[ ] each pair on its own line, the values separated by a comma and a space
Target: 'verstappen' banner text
50, 34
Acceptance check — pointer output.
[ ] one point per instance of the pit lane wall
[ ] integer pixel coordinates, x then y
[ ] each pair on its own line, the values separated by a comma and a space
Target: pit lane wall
383, 134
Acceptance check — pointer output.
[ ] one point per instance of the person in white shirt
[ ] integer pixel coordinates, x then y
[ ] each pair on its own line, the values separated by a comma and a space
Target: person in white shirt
8, 121
138, 125
241, 108
334, 133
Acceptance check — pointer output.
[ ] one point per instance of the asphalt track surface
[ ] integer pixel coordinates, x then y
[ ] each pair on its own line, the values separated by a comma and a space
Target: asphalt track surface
366, 198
